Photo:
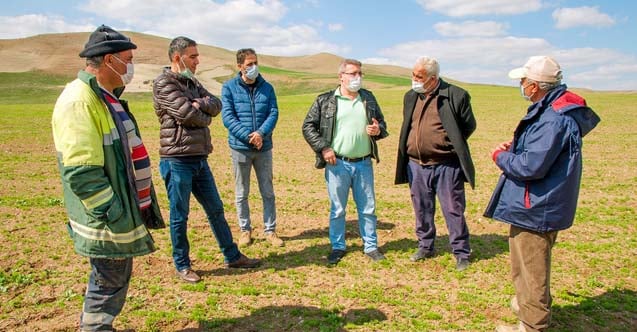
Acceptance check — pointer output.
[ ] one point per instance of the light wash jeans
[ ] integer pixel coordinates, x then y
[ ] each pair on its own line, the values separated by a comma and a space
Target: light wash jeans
359, 176
183, 178
242, 163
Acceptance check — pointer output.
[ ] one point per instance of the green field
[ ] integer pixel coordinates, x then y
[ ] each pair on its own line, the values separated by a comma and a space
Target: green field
594, 284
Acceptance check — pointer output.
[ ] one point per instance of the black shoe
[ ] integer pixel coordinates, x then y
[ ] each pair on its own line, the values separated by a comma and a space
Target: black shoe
244, 263
462, 264
335, 256
375, 255
422, 254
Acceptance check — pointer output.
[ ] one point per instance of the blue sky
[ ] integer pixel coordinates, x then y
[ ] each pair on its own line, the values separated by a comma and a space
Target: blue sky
475, 41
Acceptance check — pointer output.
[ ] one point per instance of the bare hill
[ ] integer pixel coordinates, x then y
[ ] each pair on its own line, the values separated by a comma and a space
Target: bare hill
58, 54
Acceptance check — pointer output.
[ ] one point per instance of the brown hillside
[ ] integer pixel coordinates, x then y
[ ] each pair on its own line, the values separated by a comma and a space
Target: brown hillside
58, 54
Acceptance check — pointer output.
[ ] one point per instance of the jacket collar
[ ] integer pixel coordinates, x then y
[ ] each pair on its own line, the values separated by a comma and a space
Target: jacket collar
91, 81
257, 82
545, 102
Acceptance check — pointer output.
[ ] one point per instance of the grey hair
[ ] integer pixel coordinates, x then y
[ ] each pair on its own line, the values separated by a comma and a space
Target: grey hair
95, 61
178, 45
430, 64
344, 63
547, 86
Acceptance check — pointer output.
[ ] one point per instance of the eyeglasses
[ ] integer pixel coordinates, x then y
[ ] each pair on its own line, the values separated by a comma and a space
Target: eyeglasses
354, 74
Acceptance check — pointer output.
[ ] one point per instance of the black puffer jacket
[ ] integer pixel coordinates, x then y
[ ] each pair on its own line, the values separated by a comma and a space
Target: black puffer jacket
184, 129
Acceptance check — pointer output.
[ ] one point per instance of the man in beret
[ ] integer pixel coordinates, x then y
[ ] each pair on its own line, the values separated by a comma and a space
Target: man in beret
106, 176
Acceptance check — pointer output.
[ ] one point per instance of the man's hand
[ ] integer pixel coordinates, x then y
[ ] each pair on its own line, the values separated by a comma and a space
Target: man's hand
256, 140
329, 156
373, 129
504, 146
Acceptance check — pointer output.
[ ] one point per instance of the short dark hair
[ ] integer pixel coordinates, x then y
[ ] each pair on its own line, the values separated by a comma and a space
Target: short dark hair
178, 45
243, 53
95, 61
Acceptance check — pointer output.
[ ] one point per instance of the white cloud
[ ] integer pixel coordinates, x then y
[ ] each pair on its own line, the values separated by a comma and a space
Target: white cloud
566, 18
459, 8
488, 60
381, 61
232, 24
335, 27
29, 25
471, 29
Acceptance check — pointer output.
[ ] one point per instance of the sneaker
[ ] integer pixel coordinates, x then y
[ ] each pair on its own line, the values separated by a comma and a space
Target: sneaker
510, 328
245, 238
462, 264
515, 307
422, 254
244, 263
188, 275
335, 256
274, 240
375, 255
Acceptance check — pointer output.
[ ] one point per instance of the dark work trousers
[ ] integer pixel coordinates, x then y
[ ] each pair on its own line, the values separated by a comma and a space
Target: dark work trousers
447, 182
106, 293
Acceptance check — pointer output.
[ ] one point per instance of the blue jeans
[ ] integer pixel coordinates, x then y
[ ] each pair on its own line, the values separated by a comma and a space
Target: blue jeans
446, 181
182, 178
106, 293
242, 163
359, 176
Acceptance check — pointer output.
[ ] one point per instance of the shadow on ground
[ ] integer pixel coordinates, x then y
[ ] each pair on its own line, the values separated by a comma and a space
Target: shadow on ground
293, 318
484, 246
615, 310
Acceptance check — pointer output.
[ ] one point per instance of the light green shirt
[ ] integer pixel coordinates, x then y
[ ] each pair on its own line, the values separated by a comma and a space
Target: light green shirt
350, 135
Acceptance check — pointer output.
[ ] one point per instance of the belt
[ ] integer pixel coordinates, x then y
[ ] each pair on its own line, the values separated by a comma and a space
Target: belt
352, 160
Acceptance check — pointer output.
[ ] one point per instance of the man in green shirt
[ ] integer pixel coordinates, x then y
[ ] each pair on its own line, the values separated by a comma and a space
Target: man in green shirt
342, 127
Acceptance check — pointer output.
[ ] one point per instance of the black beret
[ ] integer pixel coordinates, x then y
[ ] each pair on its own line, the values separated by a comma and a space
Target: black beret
105, 40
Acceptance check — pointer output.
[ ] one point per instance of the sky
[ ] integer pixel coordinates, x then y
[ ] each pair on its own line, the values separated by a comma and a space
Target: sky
475, 41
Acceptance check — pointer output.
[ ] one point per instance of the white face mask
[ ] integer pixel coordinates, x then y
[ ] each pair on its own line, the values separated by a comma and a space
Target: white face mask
252, 72
127, 77
355, 84
522, 88
418, 87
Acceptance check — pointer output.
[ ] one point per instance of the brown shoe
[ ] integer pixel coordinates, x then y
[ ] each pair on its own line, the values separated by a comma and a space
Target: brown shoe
188, 275
274, 240
245, 238
244, 263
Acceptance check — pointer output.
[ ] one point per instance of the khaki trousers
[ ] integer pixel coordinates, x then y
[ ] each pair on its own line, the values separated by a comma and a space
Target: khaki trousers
531, 274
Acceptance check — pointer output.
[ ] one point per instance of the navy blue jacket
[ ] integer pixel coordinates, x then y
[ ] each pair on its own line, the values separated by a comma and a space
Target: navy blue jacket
541, 172
246, 110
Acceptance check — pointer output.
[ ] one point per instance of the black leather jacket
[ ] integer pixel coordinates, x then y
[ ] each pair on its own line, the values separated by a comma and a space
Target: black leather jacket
318, 126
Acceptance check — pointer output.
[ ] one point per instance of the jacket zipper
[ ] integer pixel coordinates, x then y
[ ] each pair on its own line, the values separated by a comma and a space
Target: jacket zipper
252, 108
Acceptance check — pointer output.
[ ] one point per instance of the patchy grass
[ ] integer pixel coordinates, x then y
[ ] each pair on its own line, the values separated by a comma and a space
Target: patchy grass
42, 281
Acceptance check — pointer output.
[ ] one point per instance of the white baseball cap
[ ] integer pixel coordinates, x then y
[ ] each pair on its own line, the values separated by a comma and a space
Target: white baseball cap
540, 69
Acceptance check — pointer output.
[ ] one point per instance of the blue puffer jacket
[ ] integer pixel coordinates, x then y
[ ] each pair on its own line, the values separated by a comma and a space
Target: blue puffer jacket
539, 186
245, 111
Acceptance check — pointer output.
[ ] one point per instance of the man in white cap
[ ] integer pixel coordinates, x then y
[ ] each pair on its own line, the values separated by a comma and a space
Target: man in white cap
538, 189
106, 175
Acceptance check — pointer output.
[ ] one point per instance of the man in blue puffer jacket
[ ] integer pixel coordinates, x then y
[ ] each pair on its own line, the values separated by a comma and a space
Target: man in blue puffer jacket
250, 113
539, 186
